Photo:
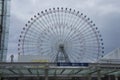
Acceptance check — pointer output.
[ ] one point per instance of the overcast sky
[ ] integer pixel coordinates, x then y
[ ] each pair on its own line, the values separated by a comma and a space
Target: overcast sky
104, 13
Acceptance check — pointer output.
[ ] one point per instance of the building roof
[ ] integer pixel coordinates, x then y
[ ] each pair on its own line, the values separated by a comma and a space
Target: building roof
112, 57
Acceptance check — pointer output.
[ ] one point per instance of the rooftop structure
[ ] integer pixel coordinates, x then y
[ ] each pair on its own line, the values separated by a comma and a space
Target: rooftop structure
111, 57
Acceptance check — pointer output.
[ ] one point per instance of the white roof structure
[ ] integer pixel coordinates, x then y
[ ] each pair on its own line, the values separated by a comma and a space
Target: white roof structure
112, 57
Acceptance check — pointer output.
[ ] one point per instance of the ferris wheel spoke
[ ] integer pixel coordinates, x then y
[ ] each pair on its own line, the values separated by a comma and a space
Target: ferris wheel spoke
93, 56
80, 23
64, 17
31, 44
29, 47
74, 57
37, 27
68, 34
77, 52
63, 23
73, 32
77, 21
32, 31
47, 19
51, 25
50, 20
89, 58
55, 21
54, 16
70, 17
45, 46
88, 39
76, 29
29, 39
59, 24
43, 20
53, 57
31, 36
45, 51
29, 50
58, 15
87, 31
69, 22
74, 21
41, 24
78, 32
84, 37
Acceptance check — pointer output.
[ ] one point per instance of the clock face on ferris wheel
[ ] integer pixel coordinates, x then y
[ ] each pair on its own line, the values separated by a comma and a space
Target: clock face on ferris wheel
63, 35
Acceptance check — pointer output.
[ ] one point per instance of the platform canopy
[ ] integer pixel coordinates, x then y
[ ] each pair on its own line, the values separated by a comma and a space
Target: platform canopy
18, 69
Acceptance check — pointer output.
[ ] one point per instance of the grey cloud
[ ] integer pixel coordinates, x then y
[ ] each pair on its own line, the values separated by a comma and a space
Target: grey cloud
111, 31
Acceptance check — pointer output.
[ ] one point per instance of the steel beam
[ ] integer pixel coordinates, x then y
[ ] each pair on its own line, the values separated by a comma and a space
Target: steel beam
12, 71
71, 72
29, 71
111, 72
62, 71
78, 71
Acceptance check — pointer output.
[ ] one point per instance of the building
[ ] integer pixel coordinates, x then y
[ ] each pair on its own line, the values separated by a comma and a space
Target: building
111, 57
4, 25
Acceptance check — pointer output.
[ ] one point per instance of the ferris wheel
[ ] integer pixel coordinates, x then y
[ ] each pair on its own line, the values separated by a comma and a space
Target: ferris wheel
63, 35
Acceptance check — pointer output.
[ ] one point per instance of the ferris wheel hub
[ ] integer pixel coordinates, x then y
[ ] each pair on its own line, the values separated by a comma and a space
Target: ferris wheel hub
61, 47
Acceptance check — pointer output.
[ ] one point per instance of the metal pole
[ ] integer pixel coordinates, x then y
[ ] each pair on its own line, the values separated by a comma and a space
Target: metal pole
98, 75
0, 77
46, 72
1, 74
116, 77
89, 77
109, 77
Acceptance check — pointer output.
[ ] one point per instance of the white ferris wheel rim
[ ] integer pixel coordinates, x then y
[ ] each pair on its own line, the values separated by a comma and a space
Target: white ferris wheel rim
51, 28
